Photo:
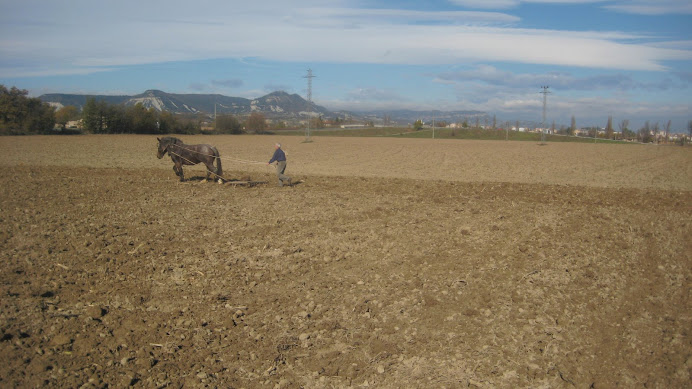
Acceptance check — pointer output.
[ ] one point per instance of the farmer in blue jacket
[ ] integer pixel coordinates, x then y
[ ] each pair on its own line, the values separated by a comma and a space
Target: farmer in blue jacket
280, 158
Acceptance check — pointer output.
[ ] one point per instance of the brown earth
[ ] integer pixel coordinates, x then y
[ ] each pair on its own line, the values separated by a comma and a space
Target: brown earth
394, 263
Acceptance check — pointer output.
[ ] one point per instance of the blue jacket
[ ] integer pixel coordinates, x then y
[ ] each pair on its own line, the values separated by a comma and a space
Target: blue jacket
278, 156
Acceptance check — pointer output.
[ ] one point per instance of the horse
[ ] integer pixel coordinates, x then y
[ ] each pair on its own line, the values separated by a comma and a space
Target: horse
183, 154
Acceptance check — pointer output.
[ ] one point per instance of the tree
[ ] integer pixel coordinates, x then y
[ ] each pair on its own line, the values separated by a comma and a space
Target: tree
623, 128
40, 116
167, 123
21, 114
666, 130
573, 126
418, 124
144, 120
93, 116
318, 122
609, 128
644, 134
256, 122
117, 120
594, 132
280, 125
12, 108
228, 124
66, 114
494, 122
655, 130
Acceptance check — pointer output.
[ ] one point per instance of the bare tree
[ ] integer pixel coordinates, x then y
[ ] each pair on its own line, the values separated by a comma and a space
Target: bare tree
256, 122
624, 124
666, 129
573, 126
655, 130
645, 133
609, 128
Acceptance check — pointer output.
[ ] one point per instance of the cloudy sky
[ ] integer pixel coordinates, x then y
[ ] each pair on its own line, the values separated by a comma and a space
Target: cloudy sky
631, 59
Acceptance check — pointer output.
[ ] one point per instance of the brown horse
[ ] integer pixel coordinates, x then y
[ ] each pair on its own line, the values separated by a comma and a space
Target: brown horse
183, 154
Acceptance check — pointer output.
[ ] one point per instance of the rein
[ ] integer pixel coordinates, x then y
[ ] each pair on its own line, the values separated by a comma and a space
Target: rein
181, 146
245, 161
192, 163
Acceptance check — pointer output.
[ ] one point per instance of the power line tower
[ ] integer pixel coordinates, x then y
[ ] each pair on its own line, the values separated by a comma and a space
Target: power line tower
309, 76
545, 93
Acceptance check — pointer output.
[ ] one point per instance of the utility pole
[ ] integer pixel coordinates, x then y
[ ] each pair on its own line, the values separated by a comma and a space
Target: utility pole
309, 76
545, 93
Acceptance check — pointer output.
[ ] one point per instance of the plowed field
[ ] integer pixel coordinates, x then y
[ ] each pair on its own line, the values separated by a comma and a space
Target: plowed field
391, 263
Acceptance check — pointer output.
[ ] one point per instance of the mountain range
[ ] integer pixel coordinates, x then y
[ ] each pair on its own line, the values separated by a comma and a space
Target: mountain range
275, 105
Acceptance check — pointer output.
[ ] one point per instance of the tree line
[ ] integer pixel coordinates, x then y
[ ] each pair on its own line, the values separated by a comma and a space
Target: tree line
99, 117
20, 114
648, 133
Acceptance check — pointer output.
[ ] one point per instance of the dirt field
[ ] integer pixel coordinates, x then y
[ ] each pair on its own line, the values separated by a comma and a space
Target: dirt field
394, 263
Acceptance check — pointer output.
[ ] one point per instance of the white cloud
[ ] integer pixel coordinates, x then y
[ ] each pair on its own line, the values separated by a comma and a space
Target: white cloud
88, 35
557, 80
374, 94
643, 7
228, 83
505, 4
652, 7
487, 4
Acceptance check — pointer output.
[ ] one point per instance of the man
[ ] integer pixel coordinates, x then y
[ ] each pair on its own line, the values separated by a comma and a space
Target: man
280, 158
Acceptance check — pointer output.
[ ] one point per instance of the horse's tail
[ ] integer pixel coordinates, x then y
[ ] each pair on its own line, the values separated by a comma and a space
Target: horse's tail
219, 169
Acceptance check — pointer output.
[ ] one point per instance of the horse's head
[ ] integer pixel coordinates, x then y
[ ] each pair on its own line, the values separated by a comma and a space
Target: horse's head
164, 143
163, 147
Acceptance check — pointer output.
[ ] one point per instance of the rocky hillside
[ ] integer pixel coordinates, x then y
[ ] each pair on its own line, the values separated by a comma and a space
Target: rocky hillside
275, 104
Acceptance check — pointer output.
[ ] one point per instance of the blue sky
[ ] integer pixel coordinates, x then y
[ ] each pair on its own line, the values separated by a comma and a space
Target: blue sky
626, 59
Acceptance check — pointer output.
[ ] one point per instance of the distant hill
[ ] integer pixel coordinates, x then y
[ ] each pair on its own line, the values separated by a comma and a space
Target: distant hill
62, 99
276, 104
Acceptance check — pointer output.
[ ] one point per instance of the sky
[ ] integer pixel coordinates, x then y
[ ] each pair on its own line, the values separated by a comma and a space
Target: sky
629, 59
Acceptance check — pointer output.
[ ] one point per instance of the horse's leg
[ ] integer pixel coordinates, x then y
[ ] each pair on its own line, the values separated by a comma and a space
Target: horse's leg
219, 170
179, 166
210, 168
